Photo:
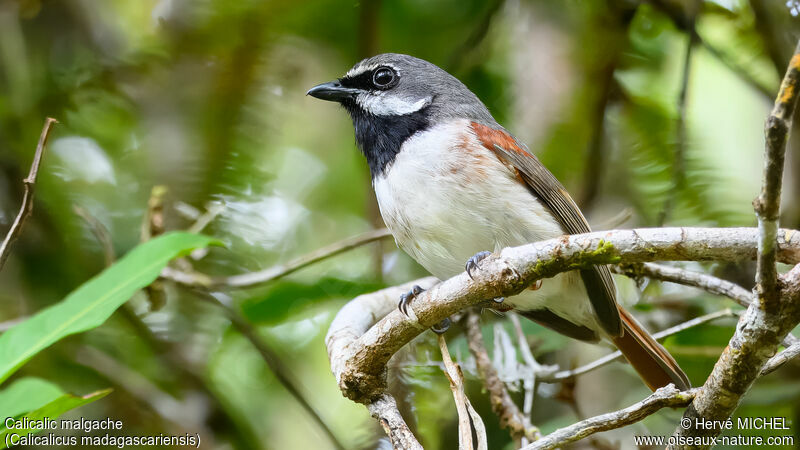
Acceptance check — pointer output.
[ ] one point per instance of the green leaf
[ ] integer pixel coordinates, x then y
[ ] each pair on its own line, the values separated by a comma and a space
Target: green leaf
51, 410
289, 297
27, 394
94, 301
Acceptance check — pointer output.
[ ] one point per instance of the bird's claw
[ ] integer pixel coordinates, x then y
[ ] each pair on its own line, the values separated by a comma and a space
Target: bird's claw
442, 326
473, 262
407, 298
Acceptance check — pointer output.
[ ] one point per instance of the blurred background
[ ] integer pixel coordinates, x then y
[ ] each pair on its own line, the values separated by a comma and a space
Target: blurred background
649, 112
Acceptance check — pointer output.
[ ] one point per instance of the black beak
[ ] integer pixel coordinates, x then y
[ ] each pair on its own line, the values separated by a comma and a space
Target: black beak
332, 91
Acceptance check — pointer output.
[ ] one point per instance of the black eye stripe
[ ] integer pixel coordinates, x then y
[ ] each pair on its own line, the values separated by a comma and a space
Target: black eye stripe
365, 80
360, 81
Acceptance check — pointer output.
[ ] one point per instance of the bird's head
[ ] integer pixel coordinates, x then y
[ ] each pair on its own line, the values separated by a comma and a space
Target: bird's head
391, 96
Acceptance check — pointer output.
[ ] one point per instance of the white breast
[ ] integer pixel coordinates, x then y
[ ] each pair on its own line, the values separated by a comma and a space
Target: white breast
446, 197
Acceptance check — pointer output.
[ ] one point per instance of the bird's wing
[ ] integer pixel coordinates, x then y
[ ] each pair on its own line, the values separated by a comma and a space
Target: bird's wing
549, 191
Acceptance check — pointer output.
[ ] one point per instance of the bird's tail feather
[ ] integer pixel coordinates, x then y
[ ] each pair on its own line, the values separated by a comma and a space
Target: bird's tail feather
654, 364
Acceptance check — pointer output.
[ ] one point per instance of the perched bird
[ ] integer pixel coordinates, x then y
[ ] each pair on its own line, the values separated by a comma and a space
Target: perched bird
453, 185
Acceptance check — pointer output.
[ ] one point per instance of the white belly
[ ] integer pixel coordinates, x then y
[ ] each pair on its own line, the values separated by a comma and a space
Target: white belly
446, 197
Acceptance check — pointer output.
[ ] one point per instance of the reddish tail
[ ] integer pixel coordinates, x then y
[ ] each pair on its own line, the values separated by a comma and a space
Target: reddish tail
654, 364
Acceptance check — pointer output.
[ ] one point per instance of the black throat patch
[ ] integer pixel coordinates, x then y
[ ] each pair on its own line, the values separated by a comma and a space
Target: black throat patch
380, 137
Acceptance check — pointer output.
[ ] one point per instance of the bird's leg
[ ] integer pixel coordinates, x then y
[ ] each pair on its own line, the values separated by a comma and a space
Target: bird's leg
473, 262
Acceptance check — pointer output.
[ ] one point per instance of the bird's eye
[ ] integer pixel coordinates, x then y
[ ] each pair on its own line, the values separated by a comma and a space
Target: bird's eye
383, 77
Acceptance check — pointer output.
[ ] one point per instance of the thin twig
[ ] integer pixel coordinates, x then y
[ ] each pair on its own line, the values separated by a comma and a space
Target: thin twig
600, 362
456, 378
359, 367
529, 384
768, 203
384, 409
781, 358
251, 279
272, 360
679, 163
100, 233
708, 283
26, 209
667, 396
502, 404
756, 338
680, 19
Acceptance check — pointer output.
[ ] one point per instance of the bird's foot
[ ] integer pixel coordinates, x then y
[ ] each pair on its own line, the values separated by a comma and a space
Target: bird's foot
405, 304
536, 286
407, 298
473, 262
442, 326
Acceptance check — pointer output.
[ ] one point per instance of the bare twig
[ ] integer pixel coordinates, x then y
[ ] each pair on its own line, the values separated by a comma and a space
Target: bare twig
246, 280
685, 277
529, 384
213, 209
26, 209
600, 362
272, 360
502, 404
767, 205
384, 409
456, 379
100, 233
680, 19
350, 323
755, 340
507, 273
183, 415
791, 352
665, 397
679, 163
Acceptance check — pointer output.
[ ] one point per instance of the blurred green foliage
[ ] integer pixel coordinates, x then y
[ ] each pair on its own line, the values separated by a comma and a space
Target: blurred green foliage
206, 97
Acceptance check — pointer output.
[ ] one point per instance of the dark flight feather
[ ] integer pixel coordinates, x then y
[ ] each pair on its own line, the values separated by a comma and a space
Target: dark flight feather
545, 186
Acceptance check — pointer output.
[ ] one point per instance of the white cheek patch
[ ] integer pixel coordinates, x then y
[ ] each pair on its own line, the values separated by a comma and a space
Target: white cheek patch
381, 104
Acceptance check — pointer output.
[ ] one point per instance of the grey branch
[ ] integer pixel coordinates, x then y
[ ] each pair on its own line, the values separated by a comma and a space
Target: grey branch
26, 209
667, 396
251, 279
791, 352
384, 409
359, 367
767, 322
502, 404
767, 205
685, 277
352, 321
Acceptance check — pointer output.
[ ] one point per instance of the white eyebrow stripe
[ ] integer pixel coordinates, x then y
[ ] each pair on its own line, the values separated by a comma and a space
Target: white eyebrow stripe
390, 105
358, 70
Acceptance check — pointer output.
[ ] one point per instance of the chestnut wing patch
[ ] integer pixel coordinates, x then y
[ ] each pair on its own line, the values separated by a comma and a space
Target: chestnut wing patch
549, 190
